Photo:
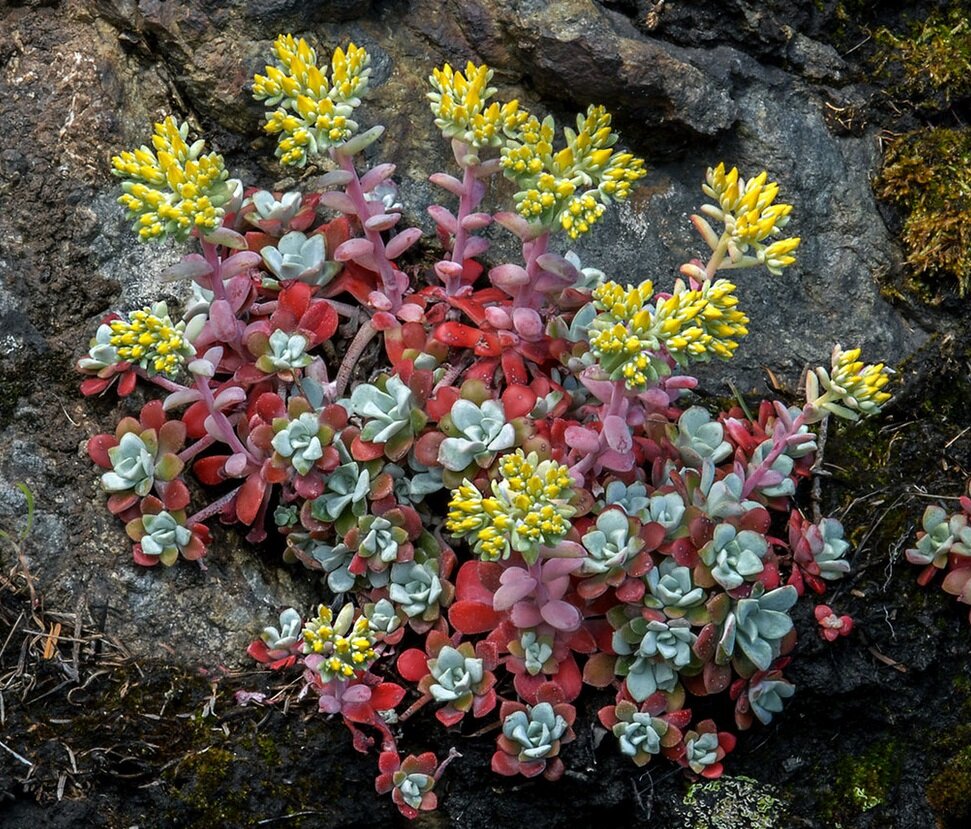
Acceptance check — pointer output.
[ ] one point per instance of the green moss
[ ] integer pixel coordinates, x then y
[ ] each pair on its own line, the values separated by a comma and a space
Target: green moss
927, 173
861, 782
732, 803
947, 792
933, 59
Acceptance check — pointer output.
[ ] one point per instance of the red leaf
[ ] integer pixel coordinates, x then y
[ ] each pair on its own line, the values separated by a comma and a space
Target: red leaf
517, 400
209, 470
599, 670
514, 368
505, 764
98, 447
386, 696
457, 335
295, 298
470, 617
249, 499
413, 665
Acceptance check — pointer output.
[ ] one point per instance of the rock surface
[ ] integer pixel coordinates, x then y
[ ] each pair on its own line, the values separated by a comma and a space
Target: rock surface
740, 81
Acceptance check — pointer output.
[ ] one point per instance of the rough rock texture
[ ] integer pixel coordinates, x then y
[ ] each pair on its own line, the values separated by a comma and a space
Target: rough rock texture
691, 85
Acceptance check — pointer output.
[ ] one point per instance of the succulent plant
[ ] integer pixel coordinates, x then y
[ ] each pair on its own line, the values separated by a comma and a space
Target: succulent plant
336, 561
347, 486
767, 696
701, 751
631, 498
536, 731
416, 482
672, 590
482, 433
734, 557
164, 535
382, 617
943, 534
757, 625
666, 509
413, 785
343, 645
132, 465
300, 441
299, 257
416, 588
611, 544
650, 653
456, 674
700, 439
782, 466
535, 650
279, 641
723, 498
639, 736
391, 412
286, 352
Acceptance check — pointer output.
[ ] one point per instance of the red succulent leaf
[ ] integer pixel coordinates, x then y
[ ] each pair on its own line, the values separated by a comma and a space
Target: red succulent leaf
98, 447
470, 617
210, 470
599, 670
413, 665
250, 499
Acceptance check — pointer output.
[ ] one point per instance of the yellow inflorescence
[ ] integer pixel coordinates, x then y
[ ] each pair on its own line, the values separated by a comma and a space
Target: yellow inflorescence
459, 104
345, 647
314, 111
572, 186
151, 341
174, 189
700, 324
693, 325
751, 215
529, 508
862, 385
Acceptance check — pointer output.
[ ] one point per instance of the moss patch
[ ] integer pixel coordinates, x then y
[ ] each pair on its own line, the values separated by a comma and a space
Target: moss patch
862, 782
933, 58
732, 803
948, 790
927, 173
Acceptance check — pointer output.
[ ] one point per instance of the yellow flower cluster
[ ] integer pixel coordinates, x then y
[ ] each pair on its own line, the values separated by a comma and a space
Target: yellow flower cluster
750, 215
347, 646
572, 186
458, 102
313, 112
529, 508
700, 324
174, 189
693, 325
850, 386
149, 339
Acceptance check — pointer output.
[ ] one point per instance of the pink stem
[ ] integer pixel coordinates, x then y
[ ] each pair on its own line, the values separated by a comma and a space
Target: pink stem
778, 447
354, 351
385, 269
467, 203
213, 508
526, 296
226, 429
159, 380
200, 445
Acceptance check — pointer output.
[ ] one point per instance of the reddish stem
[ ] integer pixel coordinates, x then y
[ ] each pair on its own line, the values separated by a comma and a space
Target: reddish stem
361, 205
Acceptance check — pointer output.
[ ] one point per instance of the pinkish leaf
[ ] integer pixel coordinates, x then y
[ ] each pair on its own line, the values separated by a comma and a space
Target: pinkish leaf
617, 433
561, 615
353, 249
400, 243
